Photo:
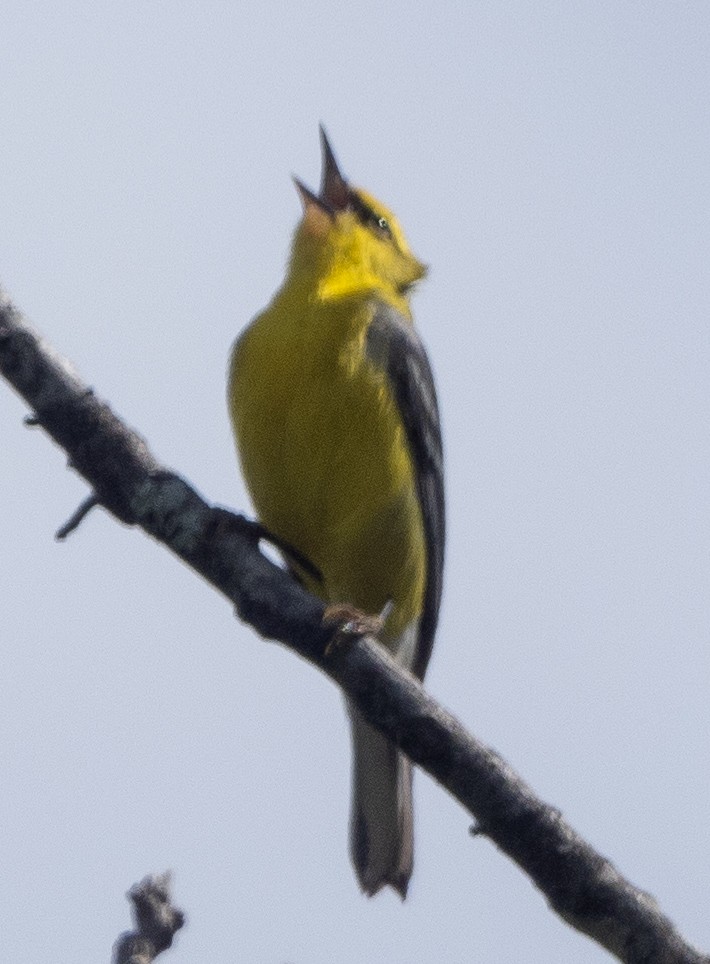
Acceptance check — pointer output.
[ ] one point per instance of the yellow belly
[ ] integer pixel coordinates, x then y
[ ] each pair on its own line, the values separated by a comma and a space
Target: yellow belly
325, 457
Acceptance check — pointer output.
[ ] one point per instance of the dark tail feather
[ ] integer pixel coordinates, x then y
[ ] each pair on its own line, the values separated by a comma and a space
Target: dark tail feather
381, 822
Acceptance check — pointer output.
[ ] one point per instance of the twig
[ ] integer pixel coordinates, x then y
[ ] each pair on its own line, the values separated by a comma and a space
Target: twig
157, 922
77, 518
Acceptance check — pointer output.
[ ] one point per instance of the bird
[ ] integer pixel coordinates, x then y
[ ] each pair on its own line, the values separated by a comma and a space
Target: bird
335, 416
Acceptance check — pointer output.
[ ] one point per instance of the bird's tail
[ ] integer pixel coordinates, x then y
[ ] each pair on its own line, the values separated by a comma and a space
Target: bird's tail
381, 821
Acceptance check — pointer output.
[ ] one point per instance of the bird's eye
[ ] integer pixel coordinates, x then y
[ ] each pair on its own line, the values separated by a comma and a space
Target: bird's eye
369, 218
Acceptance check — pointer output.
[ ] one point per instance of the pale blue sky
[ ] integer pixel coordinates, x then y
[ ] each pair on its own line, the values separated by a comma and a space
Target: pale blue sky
550, 161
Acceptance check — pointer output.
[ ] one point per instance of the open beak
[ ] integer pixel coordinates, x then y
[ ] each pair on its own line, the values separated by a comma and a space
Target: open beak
334, 190
308, 198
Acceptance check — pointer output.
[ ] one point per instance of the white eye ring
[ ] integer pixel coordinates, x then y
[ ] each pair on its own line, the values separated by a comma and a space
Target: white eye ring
383, 225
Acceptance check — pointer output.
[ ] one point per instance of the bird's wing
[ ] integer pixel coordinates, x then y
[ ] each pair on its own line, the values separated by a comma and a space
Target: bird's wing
395, 348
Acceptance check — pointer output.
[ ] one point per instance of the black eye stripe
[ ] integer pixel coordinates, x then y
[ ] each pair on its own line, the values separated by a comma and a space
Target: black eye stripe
368, 217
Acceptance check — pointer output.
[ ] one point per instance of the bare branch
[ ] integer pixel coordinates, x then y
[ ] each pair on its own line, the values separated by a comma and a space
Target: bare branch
75, 520
583, 887
157, 922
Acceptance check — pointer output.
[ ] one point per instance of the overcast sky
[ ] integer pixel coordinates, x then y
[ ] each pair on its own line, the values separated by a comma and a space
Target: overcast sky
550, 162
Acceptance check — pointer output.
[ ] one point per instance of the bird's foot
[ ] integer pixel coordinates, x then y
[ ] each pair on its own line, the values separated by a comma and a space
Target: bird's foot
348, 621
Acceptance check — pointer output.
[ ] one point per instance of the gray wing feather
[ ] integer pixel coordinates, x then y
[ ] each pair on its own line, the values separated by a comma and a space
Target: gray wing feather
395, 348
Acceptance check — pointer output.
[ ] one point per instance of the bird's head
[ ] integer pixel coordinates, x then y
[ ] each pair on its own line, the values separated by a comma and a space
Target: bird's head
350, 241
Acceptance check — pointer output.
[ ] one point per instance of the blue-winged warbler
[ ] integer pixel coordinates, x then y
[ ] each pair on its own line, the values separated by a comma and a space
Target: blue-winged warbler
336, 420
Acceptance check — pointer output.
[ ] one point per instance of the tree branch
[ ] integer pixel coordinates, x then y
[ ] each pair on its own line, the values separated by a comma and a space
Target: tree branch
583, 887
157, 922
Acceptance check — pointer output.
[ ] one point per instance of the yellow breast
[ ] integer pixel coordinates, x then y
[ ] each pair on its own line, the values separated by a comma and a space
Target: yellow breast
325, 456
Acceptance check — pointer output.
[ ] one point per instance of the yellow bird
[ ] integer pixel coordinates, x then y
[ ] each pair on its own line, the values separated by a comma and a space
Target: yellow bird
336, 420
